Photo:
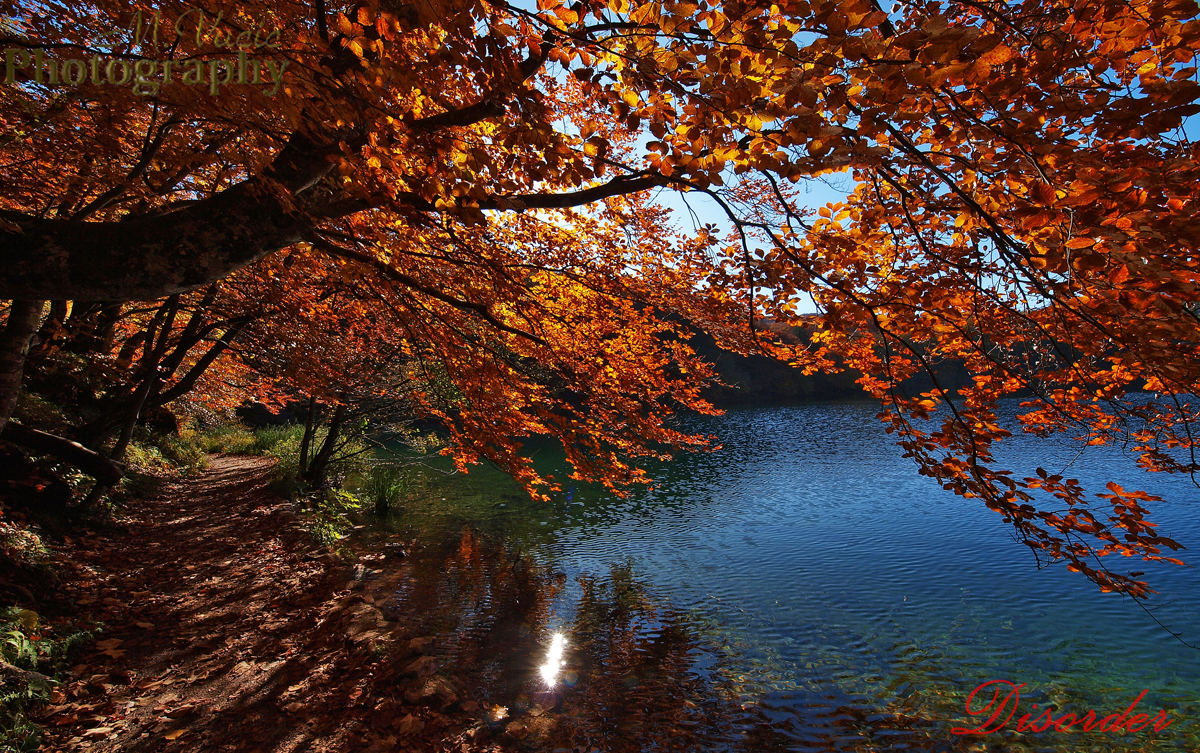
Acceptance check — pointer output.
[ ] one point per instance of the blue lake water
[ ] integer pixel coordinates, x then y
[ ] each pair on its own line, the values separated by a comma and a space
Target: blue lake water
818, 594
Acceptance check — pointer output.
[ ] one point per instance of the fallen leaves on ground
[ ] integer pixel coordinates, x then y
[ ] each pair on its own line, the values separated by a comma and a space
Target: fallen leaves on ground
226, 630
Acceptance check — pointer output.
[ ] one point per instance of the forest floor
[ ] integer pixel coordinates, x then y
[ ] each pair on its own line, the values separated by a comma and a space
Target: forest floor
227, 629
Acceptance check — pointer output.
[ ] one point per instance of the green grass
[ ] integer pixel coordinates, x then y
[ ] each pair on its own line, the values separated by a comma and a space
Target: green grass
227, 439
385, 486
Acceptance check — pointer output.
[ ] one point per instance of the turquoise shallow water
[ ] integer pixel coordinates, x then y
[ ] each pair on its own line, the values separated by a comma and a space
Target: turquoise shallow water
818, 594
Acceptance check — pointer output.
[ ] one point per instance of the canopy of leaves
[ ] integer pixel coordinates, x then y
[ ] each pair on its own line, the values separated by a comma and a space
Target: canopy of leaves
466, 175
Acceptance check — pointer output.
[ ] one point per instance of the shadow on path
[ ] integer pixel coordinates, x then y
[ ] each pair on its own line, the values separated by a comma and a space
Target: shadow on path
227, 630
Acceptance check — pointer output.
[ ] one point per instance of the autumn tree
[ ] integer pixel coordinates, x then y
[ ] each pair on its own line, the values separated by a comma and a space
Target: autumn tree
1023, 199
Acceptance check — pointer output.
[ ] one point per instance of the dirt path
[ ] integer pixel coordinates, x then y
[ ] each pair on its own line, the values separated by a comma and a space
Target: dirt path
227, 630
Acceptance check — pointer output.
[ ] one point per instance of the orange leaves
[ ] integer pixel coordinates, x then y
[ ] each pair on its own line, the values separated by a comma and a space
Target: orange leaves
595, 147
948, 74
649, 14
997, 55
1017, 211
566, 15
922, 408
1043, 193
1140, 300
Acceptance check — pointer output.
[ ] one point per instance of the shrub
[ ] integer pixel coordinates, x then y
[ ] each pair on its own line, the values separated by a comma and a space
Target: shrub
34, 410
331, 517
283, 444
141, 485
236, 439
185, 453
146, 458
278, 440
152, 453
22, 543
29, 645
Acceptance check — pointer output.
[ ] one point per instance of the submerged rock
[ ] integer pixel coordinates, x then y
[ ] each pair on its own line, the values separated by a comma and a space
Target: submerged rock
422, 645
409, 725
364, 618
434, 691
423, 666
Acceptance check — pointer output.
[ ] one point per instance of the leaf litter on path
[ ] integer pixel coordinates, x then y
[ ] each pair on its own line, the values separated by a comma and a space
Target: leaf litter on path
226, 631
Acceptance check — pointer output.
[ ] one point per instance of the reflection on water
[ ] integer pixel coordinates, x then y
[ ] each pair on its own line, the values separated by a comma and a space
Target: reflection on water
802, 589
554, 661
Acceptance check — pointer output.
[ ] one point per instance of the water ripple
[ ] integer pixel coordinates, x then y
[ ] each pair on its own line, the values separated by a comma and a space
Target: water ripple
851, 603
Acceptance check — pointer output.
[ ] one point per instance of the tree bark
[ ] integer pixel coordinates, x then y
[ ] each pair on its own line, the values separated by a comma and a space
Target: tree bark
92, 463
131, 419
90, 327
148, 257
188, 381
319, 468
23, 318
305, 441
24, 674
96, 430
150, 380
52, 328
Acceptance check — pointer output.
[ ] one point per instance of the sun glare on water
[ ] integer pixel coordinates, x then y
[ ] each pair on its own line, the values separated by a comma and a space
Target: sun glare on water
554, 660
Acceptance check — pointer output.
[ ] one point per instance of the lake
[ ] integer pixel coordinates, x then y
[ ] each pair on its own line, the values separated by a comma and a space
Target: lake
802, 588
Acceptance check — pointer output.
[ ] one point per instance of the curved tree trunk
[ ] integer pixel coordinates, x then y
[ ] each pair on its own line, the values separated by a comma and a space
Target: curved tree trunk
318, 470
147, 257
23, 318
94, 464
97, 430
153, 357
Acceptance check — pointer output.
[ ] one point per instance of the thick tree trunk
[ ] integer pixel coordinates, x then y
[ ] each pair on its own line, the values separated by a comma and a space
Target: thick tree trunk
92, 463
146, 258
23, 318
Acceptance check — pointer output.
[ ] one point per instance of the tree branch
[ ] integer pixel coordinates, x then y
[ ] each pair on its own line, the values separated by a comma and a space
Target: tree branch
481, 309
90, 462
23, 674
185, 385
619, 186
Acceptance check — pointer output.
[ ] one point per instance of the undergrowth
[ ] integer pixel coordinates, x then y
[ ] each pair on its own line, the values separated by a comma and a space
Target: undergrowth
326, 510
385, 486
151, 458
44, 651
329, 518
